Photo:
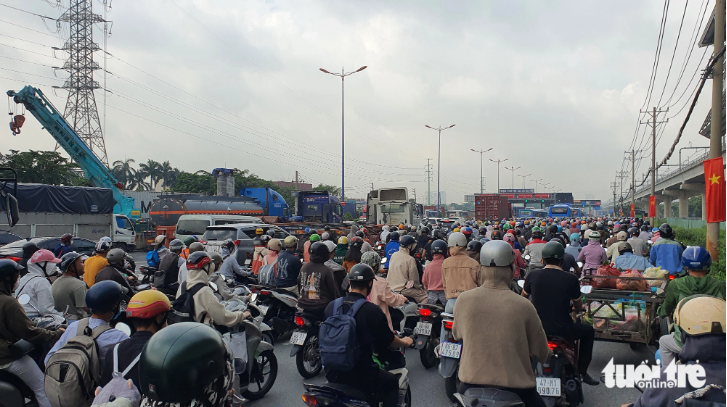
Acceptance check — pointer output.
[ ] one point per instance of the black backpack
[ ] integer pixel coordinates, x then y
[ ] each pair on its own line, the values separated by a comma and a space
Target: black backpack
168, 271
183, 306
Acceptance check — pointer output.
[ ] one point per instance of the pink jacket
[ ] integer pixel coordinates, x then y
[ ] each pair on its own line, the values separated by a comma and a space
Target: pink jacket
382, 296
432, 278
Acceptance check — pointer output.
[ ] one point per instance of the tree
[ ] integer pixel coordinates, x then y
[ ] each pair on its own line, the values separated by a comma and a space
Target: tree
695, 207
330, 188
151, 169
123, 171
139, 183
168, 174
43, 167
195, 184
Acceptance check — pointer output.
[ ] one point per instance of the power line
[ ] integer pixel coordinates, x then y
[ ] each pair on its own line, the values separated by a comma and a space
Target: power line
28, 12
27, 28
673, 54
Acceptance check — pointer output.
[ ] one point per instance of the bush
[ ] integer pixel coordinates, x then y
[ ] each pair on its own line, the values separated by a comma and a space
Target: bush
698, 237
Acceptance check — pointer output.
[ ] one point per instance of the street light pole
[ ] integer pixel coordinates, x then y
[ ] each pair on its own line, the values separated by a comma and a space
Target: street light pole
498, 171
439, 158
536, 184
343, 75
482, 188
513, 175
523, 176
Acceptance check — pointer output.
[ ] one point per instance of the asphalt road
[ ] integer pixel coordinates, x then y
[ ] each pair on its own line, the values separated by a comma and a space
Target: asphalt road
428, 386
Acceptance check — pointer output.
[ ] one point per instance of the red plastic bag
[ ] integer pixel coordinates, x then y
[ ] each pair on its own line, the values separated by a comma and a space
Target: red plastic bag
605, 282
632, 285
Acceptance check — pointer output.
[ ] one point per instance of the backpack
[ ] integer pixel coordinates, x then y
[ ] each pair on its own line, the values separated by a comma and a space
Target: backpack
74, 371
183, 306
152, 258
168, 271
267, 274
337, 337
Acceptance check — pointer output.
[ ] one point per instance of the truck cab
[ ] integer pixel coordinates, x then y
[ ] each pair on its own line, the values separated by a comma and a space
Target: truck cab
392, 206
319, 206
122, 233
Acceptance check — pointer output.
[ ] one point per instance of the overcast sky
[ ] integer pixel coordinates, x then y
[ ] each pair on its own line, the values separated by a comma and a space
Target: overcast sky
555, 87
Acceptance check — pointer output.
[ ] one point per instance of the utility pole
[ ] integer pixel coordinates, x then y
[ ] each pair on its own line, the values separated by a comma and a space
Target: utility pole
439, 157
414, 190
513, 174
523, 177
297, 188
633, 178
429, 182
498, 161
715, 139
653, 124
621, 175
613, 187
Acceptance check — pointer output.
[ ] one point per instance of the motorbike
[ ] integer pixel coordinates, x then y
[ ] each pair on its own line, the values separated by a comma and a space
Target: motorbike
449, 353
278, 307
426, 333
488, 397
305, 345
14, 391
404, 318
147, 274
557, 380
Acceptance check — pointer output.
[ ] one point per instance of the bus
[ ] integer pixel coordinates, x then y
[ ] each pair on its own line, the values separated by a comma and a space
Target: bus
559, 211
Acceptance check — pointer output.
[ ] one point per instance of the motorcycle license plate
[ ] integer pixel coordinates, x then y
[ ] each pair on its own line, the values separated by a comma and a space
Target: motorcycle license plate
298, 338
263, 308
548, 386
450, 350
423, 328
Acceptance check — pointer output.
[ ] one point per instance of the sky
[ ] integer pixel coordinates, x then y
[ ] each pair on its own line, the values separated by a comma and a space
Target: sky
554, 87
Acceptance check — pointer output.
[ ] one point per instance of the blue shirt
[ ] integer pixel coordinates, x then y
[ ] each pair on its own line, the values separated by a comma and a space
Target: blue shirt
632, 262
391, 248
667, 254
106, 339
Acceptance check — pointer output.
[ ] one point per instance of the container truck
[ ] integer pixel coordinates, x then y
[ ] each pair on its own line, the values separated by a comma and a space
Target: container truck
492, 207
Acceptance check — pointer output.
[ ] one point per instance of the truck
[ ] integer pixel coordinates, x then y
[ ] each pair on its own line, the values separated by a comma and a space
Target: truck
492, 207
392, 206
49, 210
318, 206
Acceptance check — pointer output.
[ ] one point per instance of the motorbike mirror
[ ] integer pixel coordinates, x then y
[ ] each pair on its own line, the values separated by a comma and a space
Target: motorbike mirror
123, 328
214, 286
24, 299
521, 283
586, 289
580, 264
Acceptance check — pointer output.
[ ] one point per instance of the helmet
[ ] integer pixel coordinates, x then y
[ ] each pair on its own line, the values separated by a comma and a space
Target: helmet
271, 232
474, 246
259, 231
457, 239
634, 231
115, 256
363, 230
275, 245
306, 230
67, 237
29, 248
264, 239
654, 230
575, 237
189, 240
467, 231
319, 249
343, 240
553, 250
624, 227
359, 233
198, 260
160, 239
104, 296
610, 223
666, 231
44, 255
401, 226
227, 244
594, 235
314, 237
622, 236
439, 247
9, 268
496, 253
425, 230
67, 260
176, 244
413, 228
168, 374
361, 272
624, 247
455, 230
216, 258
196, 247
496, 235
290, 241
406, 241
327, 227
330, 245
394, 236
356, 241
696, 258
148, 304
325, 236
700, 314
372, 259
509, 237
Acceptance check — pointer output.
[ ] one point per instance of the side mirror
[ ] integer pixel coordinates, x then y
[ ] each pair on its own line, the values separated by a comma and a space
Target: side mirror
521, 283
24, 299
123, 328
586, 289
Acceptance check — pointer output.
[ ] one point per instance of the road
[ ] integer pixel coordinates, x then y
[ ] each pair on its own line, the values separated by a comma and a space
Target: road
428, 387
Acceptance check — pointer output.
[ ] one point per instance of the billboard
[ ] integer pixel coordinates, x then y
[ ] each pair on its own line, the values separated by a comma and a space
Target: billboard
516, 191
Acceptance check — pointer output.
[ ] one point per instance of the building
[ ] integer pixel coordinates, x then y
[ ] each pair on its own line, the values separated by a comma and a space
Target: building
469, 198
302, 186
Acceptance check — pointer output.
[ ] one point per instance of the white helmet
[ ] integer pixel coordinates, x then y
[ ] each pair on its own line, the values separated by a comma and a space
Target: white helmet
458, 239
496, 253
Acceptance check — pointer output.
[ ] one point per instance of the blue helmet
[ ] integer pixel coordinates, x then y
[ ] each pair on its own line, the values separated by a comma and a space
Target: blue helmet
307, 230
696, 258
654, 230
104, 296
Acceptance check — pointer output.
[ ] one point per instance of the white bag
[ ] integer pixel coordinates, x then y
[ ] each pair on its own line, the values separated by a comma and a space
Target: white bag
236, 343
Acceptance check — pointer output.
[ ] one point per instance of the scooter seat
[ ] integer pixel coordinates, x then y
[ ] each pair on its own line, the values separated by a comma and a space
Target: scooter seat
339, 389
491, 396
8, 393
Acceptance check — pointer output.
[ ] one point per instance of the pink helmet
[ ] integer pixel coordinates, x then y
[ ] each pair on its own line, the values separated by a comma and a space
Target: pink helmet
44, 255
509, 237
563, 223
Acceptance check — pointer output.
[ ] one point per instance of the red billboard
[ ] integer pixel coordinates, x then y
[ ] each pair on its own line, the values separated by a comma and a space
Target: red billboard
521, 196
541, 196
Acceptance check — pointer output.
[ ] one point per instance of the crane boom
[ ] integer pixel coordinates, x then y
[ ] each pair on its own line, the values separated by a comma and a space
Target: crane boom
53, 122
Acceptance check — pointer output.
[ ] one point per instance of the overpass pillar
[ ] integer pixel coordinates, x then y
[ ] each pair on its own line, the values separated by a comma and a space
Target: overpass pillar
683, 204
667, 206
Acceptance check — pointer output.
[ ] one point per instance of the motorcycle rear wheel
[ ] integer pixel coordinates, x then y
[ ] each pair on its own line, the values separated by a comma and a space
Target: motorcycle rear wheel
265, 368
451, 383
427, 356
306, 367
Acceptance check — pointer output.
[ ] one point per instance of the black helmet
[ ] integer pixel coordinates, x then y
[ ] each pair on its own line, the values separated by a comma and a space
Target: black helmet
229, 245
327, 228
425, 230
104, 296
198, 260
361, 272
474, 246
497, 235
634, 231
666, 231
29, 248
319, 250
67, 260
437, 234
537, 234
271, 232
624, 227
406, 241
439, 247
180, 361
9, 268
359, 234
553, 250
66, 237
394, 236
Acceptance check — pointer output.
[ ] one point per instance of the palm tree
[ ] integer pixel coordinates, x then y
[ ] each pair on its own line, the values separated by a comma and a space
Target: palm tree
123, 171
139, 182
152, 170
166, 172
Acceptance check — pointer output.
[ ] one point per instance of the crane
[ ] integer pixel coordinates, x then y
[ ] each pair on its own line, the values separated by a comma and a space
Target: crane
36, 103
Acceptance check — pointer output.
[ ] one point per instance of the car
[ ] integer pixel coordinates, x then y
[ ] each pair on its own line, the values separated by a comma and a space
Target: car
14, 251
240, 233
7, 237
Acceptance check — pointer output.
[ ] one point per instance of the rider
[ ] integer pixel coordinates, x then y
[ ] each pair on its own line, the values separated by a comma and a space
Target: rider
115, 271
306, 247
627, 260
15, 325
519, 263
666, 252
230, 268
65, 245
637, 243
69, 290
374, 337
338, 271
403, 275
473, 249
505, 336
353, 255
147, 311
170, 264
553, 290
459, 271
698, 262
422, 241
534, 249
593, 254
575, 245
316, 283
384, 233
432, 279
29, 249
97, 262
288, 265
194, 247
392, 247
381, 293
612, 251
37, 284
341, 249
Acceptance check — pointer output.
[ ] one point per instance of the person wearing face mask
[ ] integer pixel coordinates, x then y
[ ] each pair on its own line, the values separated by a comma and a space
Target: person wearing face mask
115, 271
69, 290
37, 284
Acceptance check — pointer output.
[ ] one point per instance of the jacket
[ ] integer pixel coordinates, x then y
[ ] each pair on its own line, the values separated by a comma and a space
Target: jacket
316, 286
92, 266
15, 325
612, 252
402, 269
499, 327
682, 287
460, 273
306, 254
432, 279
574, 250
667, 254
630, 261
340, 253
288, 269
110, 272
37, 286
391, 248
535, 250
639, 246
382, 296
592, 255
207, 308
